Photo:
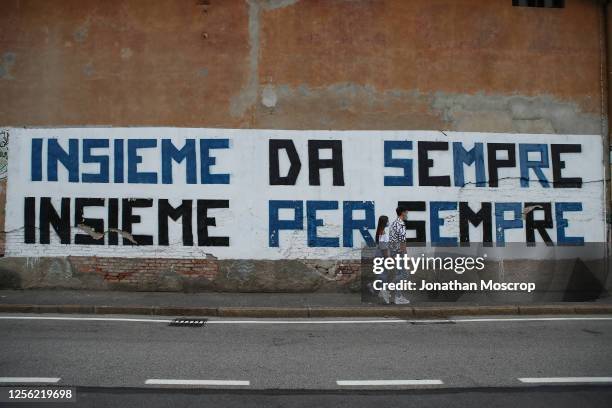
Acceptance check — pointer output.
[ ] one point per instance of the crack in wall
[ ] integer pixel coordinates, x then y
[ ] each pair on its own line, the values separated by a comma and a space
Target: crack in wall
247, 97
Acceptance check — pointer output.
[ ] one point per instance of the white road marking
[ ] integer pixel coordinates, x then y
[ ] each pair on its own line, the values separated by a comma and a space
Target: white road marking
19, 380
318, 321
306, 321
95, 319
157, 381
388, 382
524, 319
557, 380
395, 320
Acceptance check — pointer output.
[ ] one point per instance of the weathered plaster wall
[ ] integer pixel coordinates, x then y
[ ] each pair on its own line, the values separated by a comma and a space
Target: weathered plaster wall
342, 64
121, 62
459, 65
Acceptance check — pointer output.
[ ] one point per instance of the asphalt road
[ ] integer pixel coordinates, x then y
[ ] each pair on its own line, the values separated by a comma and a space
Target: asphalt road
310, 362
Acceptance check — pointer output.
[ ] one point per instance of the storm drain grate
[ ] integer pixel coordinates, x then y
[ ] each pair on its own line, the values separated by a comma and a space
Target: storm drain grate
432, 322
188, 322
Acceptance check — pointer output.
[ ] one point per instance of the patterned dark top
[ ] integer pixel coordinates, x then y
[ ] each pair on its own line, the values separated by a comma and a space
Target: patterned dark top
397, 235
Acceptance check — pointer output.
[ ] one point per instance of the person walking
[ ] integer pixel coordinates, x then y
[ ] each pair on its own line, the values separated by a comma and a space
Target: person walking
397, 245
382, 251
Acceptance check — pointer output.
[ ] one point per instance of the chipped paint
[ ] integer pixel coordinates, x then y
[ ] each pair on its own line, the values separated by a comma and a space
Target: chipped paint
349, 105
126, 53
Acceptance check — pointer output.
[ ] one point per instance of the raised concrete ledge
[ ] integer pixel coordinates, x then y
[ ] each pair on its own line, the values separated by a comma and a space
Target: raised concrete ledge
315, 312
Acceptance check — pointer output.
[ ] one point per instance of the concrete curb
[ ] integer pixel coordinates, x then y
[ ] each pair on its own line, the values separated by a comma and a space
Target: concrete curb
305, 312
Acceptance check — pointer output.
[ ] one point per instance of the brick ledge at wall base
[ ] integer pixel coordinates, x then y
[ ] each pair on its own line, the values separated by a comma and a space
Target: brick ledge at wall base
165, 274
555, 281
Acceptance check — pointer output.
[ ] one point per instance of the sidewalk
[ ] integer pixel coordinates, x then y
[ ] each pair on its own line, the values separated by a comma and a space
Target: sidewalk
262, 305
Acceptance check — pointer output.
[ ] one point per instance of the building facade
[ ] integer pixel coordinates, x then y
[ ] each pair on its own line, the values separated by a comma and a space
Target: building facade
444, 70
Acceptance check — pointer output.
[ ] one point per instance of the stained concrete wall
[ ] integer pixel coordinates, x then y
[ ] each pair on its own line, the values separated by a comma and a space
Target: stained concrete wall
341, 64
466, 65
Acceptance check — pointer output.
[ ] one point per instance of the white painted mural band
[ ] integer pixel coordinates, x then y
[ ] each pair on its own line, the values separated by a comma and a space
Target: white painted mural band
281, 194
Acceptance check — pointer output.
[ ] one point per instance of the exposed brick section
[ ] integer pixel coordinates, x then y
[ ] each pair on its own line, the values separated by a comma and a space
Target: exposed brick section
139, 271
348, 271
348, 268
